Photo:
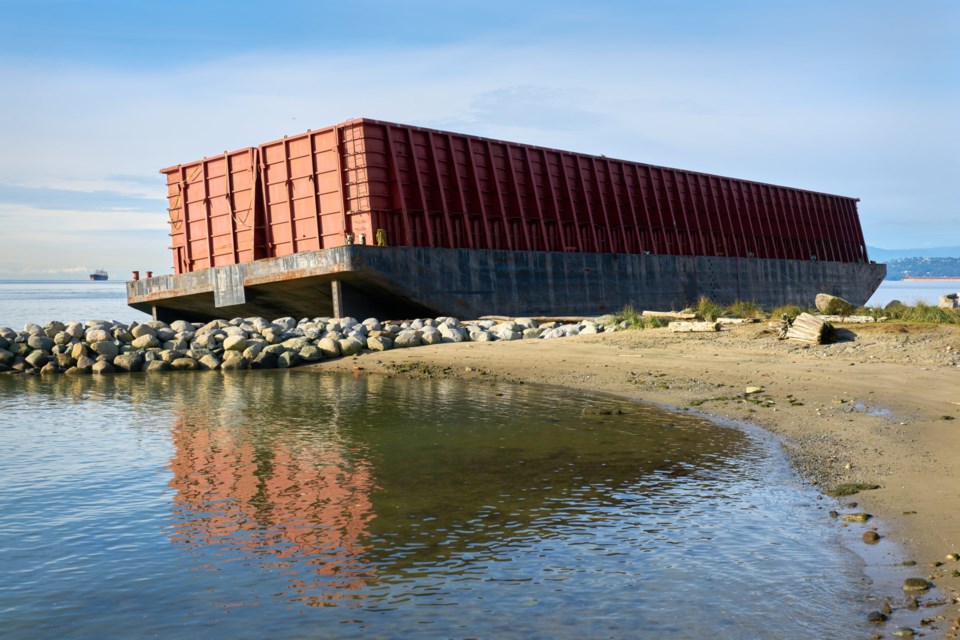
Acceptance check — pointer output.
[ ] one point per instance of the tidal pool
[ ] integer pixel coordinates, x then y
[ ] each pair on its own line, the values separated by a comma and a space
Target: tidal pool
294, 504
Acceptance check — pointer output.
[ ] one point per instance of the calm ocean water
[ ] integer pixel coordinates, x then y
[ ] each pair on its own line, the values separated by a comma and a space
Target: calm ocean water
23, 301
912, 292
293, 505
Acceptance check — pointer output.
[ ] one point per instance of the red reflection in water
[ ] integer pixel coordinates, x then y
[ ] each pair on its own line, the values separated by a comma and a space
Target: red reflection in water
300, 504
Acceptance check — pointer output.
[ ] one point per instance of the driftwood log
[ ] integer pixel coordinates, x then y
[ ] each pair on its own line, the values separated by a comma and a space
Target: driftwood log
808, 328
670, 315
694, 327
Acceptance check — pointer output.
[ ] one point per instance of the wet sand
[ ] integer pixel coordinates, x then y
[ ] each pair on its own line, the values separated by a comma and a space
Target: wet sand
880, 407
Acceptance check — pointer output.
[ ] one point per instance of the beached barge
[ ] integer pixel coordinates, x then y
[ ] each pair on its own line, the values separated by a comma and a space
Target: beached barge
377, 218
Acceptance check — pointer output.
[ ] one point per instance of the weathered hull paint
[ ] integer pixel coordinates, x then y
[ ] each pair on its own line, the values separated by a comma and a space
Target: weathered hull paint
403, 282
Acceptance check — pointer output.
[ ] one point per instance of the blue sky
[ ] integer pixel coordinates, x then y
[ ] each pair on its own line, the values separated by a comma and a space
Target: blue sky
856, 98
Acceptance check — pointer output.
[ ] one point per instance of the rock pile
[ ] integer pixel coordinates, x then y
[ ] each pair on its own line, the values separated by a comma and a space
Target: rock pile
101, 347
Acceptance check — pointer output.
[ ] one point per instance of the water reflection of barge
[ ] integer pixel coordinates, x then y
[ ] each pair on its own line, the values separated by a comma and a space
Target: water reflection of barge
369, 217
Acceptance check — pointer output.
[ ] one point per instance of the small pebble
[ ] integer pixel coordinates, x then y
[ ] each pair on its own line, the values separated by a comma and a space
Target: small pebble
916, 584
876, 616
871, 537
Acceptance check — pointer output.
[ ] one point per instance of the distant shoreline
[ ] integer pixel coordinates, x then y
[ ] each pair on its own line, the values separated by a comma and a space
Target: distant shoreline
930, 279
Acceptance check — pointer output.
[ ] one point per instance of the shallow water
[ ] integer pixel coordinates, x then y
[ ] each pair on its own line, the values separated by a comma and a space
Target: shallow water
23, 301
290, 504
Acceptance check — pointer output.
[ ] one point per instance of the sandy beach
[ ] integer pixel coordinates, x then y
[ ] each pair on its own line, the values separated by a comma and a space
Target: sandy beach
881, 407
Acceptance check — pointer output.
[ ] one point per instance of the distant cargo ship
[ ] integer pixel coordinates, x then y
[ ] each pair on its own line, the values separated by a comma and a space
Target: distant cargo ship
99, 274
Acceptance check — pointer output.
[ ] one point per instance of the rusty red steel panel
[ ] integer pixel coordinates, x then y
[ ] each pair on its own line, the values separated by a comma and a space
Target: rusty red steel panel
423, 187
213, 211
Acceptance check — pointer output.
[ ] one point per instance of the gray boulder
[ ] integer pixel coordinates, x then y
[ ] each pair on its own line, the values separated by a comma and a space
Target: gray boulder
235, 343
145, 341
37, 358
329, 347
181, 325
85, 364
208, 362
128, 362
235, 364
156, 365
832, 305
106, 348
379, 343
264, 361
452, 333
75, 329
53, 327
77, 350
310, 354
350, 346
184, 364
102, 367
407, 338
97, 335
40, 342
288, 359
431, 335
141, 330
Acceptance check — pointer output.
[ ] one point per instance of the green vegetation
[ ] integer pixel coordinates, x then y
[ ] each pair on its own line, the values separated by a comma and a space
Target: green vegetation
745, 309
920, 312
849, 489
709, 310
636, 320
790, 310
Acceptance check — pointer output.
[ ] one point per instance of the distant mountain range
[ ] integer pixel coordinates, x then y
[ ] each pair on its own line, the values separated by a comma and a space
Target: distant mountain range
883, 255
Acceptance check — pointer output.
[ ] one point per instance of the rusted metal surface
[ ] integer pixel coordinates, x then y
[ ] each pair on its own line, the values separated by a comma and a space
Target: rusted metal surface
215, 210
427, 188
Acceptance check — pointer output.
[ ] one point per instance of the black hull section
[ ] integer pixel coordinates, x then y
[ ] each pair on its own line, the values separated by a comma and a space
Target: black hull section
406, 282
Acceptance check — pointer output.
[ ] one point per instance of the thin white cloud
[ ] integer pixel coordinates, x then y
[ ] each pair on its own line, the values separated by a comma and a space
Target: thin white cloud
786, 118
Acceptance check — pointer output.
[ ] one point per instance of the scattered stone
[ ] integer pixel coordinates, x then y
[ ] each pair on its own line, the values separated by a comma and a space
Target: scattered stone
106, 348
876, 616
871, 537
752, 390
850, 488
37, 359
833, 305
184, 364
145, 341
208, 362
128, 362
857, 517
903, 632
156, 366
916, 584
102, 367
235, 364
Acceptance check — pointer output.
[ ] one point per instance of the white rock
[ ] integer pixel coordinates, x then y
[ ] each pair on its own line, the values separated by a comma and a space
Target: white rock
379, 343
329, 347
350, 346
407, 338
431, 335
235, 343
142, 330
